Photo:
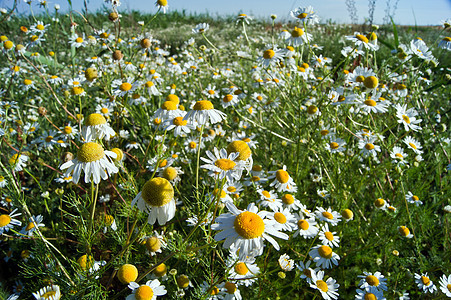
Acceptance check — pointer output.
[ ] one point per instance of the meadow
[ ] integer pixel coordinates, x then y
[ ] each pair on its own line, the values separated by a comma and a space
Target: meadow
167, 155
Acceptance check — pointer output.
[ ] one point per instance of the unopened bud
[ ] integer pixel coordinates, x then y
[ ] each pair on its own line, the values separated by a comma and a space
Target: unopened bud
113, 16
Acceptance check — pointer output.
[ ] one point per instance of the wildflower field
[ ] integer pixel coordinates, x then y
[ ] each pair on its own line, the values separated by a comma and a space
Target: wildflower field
165, 156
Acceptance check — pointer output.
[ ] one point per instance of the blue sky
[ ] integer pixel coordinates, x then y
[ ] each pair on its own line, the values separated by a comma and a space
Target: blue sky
408, 12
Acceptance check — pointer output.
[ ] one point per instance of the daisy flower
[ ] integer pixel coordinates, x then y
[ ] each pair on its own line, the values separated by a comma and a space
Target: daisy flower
229, 291
286, 263
405, 232
270, 57
200, 28
123, 87
305, 15
328, 215
307, 227
148, 291
368, 148
210, 292
180, 126
369, 293
328, 288
168, 110
411, 198
424, 283
210, 92
96, 127
445, 285
192, 144
244, 271
203, 111
327, 237
290, 202
162, 5
78, 41
8, 221
413, 144
420, 49
336, 145
407, 117
298, 37
156, 199
381, 204
94, 161
376, 280
34, 222
284, 218
229, 100
306, 270
398, 156
324, 257
282, 180
445, 43
223, 165
371, 104
51, 292
362, 42
18, 161
3, 182
269, 199
246, 230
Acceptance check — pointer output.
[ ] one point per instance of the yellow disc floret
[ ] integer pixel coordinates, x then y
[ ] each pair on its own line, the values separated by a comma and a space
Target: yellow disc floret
282, 176
85, 261
372, 280
325, 251
170, 173
183, 281
241, 268
297, 32
153, 244
144, 292
90, 152
95, 119
371, 82
225, 164
203, 105
4, 220
280, 218
303, 224
241, 147
157, 192
160, 270
119, 154
127, 273
268, 54
249, 225
322, 285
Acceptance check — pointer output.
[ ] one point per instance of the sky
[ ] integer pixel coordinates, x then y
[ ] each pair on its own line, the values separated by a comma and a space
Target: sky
408, 12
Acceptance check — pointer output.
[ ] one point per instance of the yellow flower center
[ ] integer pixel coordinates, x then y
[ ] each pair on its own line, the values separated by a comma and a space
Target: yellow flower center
379, 202
268, 54
266, 194
255, 178
404, 231
77, 90
144, 292
178, 121
370, 296
127, 273
241, 268
183, 281
415, 198
40, 27
29, 226
362, 38
4, 220
211, 92
302, 16
324, 132
49, 139
104, 110
448, 286
109, 219
95, 119
153, 244
369, 146
85, 261
399, 155
169, 105
162, 2
125, 87
406, 119
325, 251
230, 287
67, 130
170, 173
160, 270
225, 164
372, 280
303, 224
79, 40
203, 105
240, 147
333, 145
413, 145
27, 82
426, 281
157, 192
329, 235
149, 84
280, 217
322, 285
307, 273
192, 145
249, 225
90, 152
49, 295
231, 189
370, 102
447, 39
288, 199
360, 78
282, 176
8, 45
312, 109
227, 98
297, 32
371, 82
214, 290
328, 215
119, 154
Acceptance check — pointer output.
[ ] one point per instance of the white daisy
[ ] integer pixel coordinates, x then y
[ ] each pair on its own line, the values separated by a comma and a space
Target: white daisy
413, 199
328, 215
246, 230
34, 222
51, 292
96, 127
286, 263
282, 180
307, 227
445, 285
243, 272
327, 237
148, 291
327, 288
324, 257
407, 117
284, 218
424, 283
222, 165
369, 293
376, 280
203, 111
17, 161
413, 144
7, 221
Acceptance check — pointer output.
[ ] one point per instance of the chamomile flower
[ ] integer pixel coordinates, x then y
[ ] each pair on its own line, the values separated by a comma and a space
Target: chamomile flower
284, 218
3, 182
413, 144
246, 230
398, 156
18, 161
123, 87
413, 199
376, 280
229, 100
34, 222
371, 104
286, 263
369, 293
307, 227
270, 57
200, 28
381, 204
327, 237
192, 144
96, 127
362, 42
445, 285
94, 161
298, 37
424, 283
405, 232
51, 292
244, 271
290, 202
148, 291
328, 288
305, 15
419, 48
407, 117
156, 199
78, 41
282, 180
229, 291
203, 111
324, 257
181, 127
368, 148
269, 199
330, 216
445, 43
162, 5
223, 165
336, 145
7, 221
306, 271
